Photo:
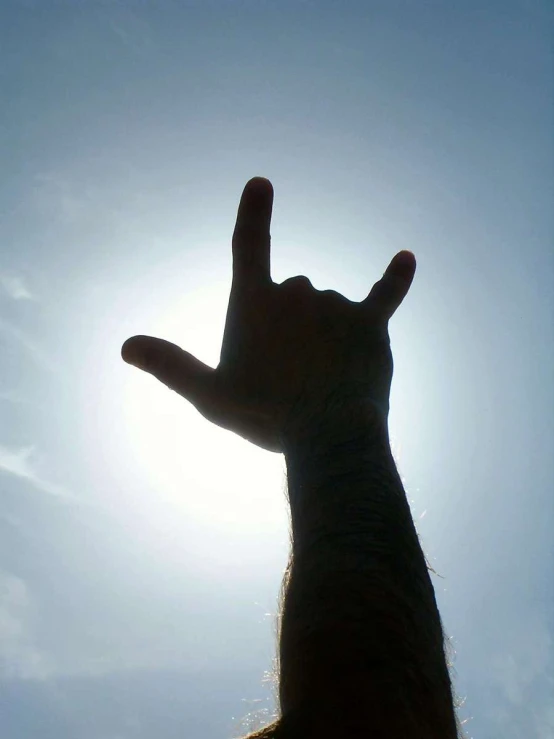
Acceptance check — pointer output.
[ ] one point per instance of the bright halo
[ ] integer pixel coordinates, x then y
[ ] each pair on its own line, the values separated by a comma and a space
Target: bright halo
205, 471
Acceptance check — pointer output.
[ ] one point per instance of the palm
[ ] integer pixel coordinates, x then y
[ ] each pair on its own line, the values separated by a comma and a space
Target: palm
284, 345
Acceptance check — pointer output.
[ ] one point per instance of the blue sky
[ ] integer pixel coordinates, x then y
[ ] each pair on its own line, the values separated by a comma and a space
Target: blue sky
141, 549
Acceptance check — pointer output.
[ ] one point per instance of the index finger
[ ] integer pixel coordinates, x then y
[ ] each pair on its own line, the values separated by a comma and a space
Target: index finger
251, 239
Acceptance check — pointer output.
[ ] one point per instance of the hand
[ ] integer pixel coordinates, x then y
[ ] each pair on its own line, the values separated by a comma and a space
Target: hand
288, 348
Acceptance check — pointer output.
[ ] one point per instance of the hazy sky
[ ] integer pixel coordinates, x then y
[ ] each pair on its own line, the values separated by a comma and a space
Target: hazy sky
141, 548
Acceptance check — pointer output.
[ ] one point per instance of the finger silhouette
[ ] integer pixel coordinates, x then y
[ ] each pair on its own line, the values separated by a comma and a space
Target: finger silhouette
387, 294
251, 239
172, 365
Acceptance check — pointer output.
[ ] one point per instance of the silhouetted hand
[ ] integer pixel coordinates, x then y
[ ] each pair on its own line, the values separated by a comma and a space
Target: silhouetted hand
288, 348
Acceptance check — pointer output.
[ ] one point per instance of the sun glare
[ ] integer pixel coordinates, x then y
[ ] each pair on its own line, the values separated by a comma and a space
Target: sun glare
190, 463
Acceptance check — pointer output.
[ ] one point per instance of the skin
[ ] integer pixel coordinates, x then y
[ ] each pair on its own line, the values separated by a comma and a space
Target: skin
307, 373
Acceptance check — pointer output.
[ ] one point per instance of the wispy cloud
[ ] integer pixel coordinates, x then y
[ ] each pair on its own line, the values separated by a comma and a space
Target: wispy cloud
15, 288
19, 657
16, 523
527, 660
20, 462
132, 30
74, 199
10, 396
56, 195
524, 673
29, 344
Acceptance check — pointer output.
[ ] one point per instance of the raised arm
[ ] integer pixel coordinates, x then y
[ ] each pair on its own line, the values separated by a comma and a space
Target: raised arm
308, 373
361, 643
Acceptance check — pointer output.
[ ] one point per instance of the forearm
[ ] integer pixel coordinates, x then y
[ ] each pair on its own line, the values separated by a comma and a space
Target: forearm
361, 642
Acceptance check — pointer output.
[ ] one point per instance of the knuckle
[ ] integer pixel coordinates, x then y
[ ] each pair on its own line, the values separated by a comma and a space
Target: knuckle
335, 298
298, 282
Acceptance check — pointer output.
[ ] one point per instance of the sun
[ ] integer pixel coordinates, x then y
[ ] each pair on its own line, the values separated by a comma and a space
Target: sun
201, 470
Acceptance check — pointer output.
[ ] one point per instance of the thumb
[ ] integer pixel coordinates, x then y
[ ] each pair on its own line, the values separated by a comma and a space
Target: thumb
170, 364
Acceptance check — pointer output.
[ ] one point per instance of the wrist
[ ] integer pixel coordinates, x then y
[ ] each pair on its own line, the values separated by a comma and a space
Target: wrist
342, 419
340, 475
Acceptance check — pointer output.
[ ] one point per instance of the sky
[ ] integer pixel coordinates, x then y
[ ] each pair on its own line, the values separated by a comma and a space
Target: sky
142, 548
